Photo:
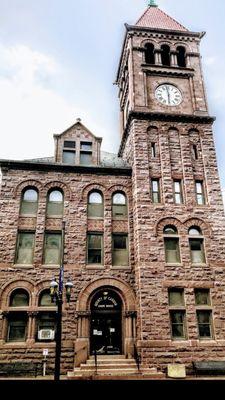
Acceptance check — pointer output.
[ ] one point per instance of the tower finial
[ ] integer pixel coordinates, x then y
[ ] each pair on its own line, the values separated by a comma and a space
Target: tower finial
152, 3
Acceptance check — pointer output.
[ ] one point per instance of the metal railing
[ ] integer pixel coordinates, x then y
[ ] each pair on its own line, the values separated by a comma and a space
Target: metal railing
96, 361
137, 357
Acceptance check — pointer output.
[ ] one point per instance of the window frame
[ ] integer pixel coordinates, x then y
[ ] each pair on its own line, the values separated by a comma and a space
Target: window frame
48, 233
69, 149
158, 192
86, 151
184, 324
48, 203
34, 214
197, 238
180, 193
120, 250
203, 192
207, 308
176, 239
98, 206
116, 206
20, 232
101, 234
17, 314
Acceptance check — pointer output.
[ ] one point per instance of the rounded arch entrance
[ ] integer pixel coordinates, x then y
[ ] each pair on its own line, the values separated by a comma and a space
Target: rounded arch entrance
100, 314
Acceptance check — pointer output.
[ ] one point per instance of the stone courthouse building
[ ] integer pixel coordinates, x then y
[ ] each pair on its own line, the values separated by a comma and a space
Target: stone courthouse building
144, 229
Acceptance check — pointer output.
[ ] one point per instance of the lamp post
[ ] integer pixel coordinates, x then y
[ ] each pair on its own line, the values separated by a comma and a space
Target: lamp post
56, 292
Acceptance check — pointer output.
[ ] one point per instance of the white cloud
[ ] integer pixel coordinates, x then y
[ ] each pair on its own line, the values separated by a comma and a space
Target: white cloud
31, 110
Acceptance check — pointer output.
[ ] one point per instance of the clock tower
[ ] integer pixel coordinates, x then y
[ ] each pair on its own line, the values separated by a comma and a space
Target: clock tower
166, 136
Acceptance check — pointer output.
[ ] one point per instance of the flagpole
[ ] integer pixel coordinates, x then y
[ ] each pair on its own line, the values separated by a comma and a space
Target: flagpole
58, 338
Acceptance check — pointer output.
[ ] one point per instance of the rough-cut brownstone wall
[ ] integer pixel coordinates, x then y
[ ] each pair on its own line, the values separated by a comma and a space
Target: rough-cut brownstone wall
76, 188
153, 275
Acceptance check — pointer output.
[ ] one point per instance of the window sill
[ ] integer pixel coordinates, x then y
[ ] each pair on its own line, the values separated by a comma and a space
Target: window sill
199, 265
95, 218
173, 264
50, 266
28, 216
121, 267
54, 217
28, 266
95, 266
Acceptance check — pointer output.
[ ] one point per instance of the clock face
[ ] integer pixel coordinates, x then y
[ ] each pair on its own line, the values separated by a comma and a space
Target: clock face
168, 95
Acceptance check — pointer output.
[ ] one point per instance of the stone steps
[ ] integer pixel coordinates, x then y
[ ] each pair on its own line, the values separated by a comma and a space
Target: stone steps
112, 366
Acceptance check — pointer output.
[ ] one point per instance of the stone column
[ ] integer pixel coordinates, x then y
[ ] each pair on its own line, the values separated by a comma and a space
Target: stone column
130, 324
82, 343
3, 326
158, 57
174, 59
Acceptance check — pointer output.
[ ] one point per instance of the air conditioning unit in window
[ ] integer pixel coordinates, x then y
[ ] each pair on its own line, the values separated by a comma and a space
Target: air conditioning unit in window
46, 334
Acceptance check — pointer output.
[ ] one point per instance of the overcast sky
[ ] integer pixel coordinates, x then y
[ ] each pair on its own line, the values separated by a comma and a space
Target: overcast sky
58, 62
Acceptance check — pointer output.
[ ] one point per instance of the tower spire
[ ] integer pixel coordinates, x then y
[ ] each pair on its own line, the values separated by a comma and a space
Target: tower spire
152, 3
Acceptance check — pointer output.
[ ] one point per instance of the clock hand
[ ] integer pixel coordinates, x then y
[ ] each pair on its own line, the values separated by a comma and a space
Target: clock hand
168, 94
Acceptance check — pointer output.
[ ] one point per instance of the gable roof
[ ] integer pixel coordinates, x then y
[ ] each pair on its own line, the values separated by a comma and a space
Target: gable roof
153, 17
78, 123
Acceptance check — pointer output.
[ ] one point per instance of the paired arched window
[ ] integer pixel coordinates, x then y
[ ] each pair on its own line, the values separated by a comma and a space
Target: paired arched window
55, 203
29, 201
95, 204
149, 53
181, 56
196, 242
171, 241
18, 321
165, 54
119, 205
45, 299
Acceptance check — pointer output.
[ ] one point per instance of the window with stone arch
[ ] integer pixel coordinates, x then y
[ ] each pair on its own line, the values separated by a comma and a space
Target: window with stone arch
196, 243
119, 205
171, 243
95, 204
55, 203
150, 53
165, 54
29, 201
17, 320
181, 57
46, 318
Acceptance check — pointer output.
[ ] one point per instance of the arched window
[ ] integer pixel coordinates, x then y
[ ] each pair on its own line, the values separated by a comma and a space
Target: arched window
149, 53
119, 205
55, 203
196, 242
19, 298
29, 202
45, 299
18, 320
166, 55
181, 56
95, 205
46, 320
171, 241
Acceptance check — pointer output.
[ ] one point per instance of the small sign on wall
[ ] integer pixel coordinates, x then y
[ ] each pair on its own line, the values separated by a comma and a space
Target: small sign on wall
97, 333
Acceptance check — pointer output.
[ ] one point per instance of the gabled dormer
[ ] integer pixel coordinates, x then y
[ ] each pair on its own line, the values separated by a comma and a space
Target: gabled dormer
77, 146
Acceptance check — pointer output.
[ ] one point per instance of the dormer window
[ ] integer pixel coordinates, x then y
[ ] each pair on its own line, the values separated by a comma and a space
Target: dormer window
69, 152
85, 153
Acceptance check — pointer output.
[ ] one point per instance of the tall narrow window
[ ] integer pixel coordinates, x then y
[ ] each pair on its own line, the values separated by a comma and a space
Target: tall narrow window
29, 202
25, 248
155, 191
181, 56
86, 153
94, 250
153, 150
95, 205
200, 196
52, 248
177, 313
165, 51
195, 152
69, 152
119, 205
55, 203
178, 193
120, 254
46, 326
204, 313
196, 242
171, 241
45, 299
149, 53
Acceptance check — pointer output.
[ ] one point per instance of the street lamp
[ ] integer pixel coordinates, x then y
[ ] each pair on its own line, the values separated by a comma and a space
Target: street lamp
56, 293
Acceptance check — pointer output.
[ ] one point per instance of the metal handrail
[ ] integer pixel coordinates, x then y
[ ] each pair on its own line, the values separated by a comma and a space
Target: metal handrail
96, 361
137, 357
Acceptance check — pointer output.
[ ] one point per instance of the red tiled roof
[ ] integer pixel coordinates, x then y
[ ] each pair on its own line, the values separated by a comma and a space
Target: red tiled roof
153, 17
